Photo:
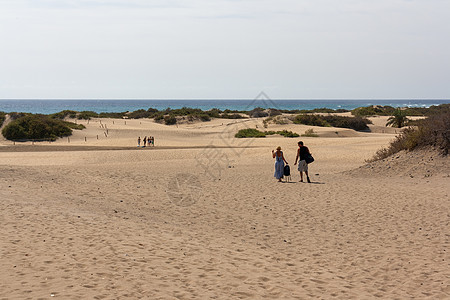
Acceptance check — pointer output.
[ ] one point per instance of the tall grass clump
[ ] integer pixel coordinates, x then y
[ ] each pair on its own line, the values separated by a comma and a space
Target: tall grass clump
432, 132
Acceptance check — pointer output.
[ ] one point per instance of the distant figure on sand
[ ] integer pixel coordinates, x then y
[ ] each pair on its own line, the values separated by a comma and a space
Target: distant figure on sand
152, 140
139, 141
279, 163
302, 152
145, 141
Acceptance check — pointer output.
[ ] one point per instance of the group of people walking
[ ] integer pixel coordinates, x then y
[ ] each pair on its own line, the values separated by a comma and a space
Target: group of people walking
147, 140
301, 158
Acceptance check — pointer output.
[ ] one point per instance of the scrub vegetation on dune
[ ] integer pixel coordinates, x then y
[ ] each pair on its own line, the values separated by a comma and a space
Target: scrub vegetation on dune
38, 127
255, 133
355, 123
2, 118
432, 132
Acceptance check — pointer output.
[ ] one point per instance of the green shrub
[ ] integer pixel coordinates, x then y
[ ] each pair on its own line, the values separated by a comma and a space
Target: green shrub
313, 120
258, 112
310, 133
139, 114
16, 115
232, 116
36, 127
185, 111
289, 134
2, 118
214, 113
63, 114
170, 120
87, 115
204, 117
373, 110
159, 117
74, 126
250, 133
355, 123
255, 133
112, 115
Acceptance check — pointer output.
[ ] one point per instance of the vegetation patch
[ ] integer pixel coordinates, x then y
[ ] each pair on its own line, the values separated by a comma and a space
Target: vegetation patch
64, 114
2, 118
355, 123
250, 133
37, 127
379, 110
432, 132
315, 110
398, 119
258, 112
310, 133
255, 133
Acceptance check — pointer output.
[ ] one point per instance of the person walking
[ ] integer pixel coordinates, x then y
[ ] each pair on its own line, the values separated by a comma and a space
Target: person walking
139, 141
302, 152
145, 141
279, 163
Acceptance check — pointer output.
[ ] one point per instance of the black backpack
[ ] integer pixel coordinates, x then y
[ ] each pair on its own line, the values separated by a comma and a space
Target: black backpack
287, 170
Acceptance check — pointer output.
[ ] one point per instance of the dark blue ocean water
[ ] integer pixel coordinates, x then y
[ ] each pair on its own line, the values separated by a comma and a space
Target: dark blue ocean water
53, 106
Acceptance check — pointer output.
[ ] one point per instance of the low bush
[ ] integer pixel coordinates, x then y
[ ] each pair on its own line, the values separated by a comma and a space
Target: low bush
289, 134
16, 115
170, 120
2, 118
87, 115
313, 120
355, 123
140, 114
315, 110
250, 133
433, 132
232, 116
255, 133
63, 114
373, 110
258, 112
112, 115
214, 113
310, 133
203, 117
36, 127
74, 126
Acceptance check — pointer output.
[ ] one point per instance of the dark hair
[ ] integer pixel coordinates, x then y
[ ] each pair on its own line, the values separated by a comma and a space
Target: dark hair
300, 143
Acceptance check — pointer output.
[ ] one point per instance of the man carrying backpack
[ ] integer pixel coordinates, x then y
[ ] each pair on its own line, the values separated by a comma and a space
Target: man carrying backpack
302, 152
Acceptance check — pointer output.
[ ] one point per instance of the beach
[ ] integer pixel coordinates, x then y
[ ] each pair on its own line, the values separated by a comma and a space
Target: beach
200, 215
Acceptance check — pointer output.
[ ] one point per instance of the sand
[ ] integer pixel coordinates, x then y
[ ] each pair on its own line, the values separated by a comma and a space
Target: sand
200, 216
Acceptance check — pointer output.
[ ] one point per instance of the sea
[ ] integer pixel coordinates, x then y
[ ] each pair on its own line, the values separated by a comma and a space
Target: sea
42, 106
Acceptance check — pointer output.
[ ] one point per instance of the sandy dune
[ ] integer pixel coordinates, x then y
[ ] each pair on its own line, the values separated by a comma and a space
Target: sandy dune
200, 216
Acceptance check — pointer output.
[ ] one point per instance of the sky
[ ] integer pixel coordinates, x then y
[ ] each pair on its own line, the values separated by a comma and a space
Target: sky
224, 49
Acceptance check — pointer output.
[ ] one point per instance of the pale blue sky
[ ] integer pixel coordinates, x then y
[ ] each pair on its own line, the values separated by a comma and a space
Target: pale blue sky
198, 49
